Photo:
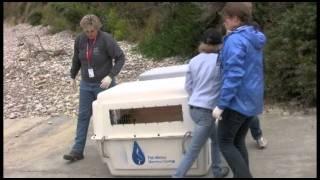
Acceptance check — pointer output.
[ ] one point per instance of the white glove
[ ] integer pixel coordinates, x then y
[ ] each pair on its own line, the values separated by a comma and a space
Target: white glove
105, 83
216, 113
74, 85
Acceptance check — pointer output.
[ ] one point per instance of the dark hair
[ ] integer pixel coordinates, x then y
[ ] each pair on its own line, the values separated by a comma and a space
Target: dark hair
239, 9
212, 36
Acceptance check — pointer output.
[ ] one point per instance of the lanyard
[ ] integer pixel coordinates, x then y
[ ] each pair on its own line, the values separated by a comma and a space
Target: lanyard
90, 51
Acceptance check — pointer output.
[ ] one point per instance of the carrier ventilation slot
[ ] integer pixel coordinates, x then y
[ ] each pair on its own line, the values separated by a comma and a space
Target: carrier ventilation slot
146, 115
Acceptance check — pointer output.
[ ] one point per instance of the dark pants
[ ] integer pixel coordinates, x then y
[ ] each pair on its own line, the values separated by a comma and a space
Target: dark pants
232, 131
255, 128
88, 93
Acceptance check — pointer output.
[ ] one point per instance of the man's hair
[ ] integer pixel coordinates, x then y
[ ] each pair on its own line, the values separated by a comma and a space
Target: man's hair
212, 36
90, 20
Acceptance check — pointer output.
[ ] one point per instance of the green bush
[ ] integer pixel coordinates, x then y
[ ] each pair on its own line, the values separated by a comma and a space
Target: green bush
66, 15
35, 18
143, 19
121, 30
177, 35
116, 25
21, 12
50, 17
291, 56
266, 13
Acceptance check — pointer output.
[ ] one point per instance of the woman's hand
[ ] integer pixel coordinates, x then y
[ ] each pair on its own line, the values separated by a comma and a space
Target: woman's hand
216, 113
105, 83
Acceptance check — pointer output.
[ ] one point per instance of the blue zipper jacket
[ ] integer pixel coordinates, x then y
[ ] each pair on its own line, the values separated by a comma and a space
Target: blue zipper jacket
243, 80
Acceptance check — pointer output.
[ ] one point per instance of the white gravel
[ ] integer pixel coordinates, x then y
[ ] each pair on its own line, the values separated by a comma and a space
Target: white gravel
38, 84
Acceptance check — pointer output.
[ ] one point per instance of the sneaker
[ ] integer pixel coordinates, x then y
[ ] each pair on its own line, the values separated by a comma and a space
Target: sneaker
262, 143
224, 171
73, 156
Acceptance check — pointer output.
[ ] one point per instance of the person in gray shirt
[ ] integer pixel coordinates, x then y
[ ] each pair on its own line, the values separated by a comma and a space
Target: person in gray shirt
94, 53
203, 82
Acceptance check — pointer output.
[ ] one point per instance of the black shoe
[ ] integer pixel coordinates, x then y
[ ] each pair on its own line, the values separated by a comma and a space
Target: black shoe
73, 156
224, 171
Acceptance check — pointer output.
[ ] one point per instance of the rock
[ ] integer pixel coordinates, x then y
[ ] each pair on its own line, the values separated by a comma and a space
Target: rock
54, 114
12, 116
39, 106
22, 59
285, 113
42, 83
52, 109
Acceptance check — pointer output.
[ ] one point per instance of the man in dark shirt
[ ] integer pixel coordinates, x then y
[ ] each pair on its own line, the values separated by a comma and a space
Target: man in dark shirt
94, 52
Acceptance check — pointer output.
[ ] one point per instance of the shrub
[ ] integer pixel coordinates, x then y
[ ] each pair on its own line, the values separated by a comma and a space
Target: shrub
116, 25
291, 56
35, 18
177, 36
51, 17
66, 15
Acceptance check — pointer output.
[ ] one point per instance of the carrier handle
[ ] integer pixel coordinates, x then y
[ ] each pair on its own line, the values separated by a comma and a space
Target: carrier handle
188, 133
102, 148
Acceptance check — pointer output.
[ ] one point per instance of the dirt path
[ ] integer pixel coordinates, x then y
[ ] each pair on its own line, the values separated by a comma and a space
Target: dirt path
34, 148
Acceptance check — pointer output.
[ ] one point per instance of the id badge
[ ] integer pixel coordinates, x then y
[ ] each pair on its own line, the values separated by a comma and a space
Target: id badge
91, 74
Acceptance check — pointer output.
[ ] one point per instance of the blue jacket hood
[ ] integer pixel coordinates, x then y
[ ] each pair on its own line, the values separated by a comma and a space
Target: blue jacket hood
254, 36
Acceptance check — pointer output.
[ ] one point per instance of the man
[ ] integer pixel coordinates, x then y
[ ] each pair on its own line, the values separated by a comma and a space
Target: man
94, 51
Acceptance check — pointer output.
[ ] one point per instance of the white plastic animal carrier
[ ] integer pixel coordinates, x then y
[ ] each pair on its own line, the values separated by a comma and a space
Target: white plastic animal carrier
142, 128
164, 72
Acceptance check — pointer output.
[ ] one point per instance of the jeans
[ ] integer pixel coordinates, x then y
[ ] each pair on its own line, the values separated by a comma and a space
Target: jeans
255, 129
88, 93
204, 128
232, 131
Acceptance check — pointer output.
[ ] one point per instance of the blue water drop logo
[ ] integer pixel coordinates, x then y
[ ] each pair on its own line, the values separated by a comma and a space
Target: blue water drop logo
137, 154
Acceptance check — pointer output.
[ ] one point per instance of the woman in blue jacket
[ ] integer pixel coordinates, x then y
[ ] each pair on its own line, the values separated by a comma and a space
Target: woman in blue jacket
241, 95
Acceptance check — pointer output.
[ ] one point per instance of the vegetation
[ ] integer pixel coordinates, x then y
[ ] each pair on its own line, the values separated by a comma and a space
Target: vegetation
178, 34
291, 56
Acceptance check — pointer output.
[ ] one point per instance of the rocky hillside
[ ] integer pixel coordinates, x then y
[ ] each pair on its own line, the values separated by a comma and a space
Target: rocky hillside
37, 66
